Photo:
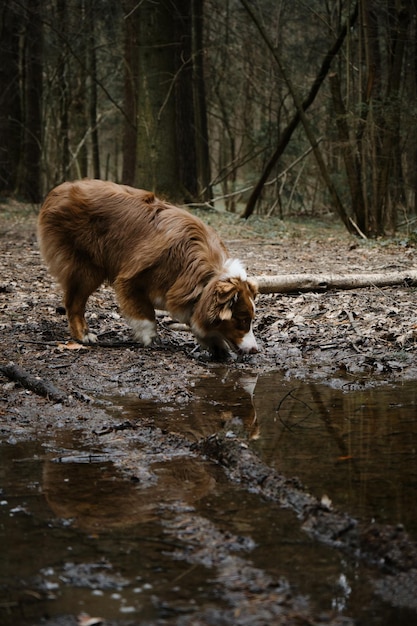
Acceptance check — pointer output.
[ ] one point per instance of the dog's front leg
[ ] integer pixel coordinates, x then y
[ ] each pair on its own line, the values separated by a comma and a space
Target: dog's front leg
144, 330
75, 298
137, 309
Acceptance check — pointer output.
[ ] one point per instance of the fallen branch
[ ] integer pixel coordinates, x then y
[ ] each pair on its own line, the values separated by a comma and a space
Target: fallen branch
33, 383
322, 282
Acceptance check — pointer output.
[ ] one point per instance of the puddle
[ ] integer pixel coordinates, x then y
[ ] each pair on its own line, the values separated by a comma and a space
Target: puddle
359, 447
76, 537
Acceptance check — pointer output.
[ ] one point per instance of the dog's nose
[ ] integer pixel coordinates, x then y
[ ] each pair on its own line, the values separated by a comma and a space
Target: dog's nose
249, 350
249, 345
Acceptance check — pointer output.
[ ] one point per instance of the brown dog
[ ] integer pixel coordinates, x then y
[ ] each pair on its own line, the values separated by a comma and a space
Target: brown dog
155, 255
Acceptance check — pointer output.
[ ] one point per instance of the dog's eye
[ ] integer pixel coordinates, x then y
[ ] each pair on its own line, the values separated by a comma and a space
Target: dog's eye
243, 323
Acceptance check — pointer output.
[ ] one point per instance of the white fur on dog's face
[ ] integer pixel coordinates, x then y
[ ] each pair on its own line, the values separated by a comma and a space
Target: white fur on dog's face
248, 344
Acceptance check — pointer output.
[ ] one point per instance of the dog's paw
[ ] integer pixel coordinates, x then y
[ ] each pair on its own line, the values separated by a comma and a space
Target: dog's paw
144, 331
89, 338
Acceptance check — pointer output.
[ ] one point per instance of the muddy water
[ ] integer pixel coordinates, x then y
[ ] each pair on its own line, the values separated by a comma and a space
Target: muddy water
357, 447
71, 542
76, 537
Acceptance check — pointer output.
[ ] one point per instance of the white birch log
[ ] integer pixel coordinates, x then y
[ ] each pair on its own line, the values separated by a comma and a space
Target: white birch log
287, 283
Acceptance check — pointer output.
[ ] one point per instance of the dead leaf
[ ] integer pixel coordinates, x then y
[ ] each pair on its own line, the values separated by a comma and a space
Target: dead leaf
71, 345
86, 620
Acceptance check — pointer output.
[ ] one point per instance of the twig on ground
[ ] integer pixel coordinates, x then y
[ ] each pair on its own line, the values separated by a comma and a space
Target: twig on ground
33, 383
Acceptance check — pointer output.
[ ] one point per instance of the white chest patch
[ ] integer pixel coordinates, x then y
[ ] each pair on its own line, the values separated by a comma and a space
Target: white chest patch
233, 268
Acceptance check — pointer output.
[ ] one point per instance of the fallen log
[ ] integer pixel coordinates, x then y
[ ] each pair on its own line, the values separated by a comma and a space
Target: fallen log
33, 383
322, 282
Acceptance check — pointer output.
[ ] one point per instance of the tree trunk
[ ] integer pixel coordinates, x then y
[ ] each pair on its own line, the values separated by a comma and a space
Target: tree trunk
201, 126
184, 99
378, 135
349, 155
131, 79
157, 166
390, 128
64, 96
167, 122
92, 105
79, 123
10, 109
29, 182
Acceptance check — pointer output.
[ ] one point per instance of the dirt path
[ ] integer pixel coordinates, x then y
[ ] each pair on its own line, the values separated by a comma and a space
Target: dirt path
357, 337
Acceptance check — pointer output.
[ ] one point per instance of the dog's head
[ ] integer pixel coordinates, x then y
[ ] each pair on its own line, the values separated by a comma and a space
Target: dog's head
222, 319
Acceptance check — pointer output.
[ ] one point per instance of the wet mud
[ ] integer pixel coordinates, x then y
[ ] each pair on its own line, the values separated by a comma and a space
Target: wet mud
149, 486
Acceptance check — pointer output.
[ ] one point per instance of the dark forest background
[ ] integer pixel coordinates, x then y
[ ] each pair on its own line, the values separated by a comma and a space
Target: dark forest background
286, 107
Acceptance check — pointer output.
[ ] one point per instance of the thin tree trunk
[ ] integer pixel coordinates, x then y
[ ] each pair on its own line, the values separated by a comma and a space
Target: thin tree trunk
201, 126
63, 95
10, 107
349, 154
29, 184
131, 60
184, 99
79, 124
93, 120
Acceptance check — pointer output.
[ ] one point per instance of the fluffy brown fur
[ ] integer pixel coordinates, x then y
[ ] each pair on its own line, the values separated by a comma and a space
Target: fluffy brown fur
155, 255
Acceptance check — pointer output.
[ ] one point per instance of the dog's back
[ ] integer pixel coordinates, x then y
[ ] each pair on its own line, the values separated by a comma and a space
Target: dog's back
112, 226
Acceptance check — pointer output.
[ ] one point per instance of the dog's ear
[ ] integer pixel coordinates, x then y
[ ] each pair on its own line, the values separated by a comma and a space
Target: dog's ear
253, 287
226, 292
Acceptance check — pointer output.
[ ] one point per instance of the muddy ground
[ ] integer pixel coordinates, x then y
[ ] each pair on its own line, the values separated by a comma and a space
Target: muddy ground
348, 339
